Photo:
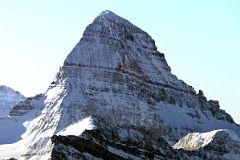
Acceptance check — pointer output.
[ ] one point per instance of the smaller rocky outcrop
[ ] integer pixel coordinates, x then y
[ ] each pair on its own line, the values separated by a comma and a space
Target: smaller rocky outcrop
213, 107
217, 144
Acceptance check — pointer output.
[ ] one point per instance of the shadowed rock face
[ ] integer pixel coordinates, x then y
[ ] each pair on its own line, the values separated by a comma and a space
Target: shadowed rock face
105, 143
94, 144
221, 145
116, 75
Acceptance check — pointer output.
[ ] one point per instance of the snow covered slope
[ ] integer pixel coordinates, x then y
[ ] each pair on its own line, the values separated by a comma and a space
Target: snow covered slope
220, 144
194, 141
116, 75
8, 99
13, 126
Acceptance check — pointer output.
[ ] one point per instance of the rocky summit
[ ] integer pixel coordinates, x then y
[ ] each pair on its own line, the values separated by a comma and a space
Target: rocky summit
116, 98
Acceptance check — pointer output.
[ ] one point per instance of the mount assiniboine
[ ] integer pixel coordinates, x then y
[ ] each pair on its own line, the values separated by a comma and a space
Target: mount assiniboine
116, 98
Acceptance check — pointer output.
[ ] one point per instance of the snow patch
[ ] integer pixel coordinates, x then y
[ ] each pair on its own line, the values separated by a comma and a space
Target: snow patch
78, 128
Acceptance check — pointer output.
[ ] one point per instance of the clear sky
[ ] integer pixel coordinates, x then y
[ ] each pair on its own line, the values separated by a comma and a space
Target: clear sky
200, 39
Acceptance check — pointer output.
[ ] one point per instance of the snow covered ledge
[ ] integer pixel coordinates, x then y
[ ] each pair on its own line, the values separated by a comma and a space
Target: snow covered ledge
78, 128
222, 141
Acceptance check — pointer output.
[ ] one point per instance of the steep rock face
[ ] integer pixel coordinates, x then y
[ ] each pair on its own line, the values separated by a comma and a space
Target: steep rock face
8, 99
116, 75
117, 66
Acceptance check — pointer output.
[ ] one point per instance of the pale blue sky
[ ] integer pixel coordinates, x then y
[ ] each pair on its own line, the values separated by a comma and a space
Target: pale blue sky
200, 39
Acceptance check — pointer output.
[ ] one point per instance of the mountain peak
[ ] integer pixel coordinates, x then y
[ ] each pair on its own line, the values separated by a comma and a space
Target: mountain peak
108, 39
107, 14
